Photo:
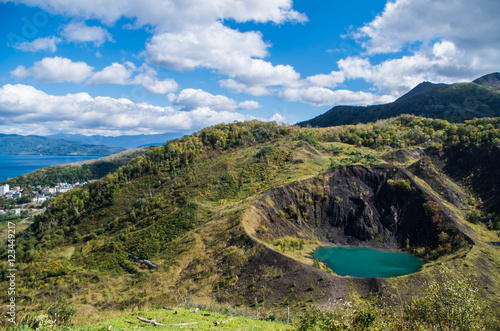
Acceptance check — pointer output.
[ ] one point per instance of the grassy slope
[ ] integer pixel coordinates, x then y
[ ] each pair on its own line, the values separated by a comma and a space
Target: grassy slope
201, 319
202, 262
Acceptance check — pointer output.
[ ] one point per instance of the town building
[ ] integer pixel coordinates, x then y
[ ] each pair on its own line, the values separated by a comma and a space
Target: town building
49, 190
39, 198
63, 189
4, 189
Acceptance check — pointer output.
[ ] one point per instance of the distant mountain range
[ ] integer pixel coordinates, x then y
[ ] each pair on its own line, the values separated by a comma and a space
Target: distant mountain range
33, 145
455, 103
128, 142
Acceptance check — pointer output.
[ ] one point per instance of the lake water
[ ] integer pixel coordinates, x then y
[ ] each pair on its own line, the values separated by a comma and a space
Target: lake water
365, 262
16, 165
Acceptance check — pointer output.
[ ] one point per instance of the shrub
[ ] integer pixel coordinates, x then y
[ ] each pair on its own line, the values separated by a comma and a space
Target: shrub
63, 311
363, 318
342, 318
473, 217
448, 304
309, 139
335, 164
403, 185
336, 150
264, 152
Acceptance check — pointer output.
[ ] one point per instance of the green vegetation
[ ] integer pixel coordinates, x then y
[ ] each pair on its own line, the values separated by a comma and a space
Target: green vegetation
36, 145
10, 216
343, 317
198, 317
356, 156
449, 304
289, 243
402, 185
446, 304
407, 130
191, 208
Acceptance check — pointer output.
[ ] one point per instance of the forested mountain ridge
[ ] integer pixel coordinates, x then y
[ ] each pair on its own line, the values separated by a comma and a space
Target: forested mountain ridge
35, 145
455, 103
230, 214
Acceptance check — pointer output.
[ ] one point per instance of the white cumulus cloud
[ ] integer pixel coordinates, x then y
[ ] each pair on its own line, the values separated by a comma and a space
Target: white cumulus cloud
191, 34
55, 70
173, 14
331, 80
467, 24
213, 46
115, 73
442, 63
233, 53
445, 41
194, 98
79, 32
148, 80
48, 44
27, 107
321, 96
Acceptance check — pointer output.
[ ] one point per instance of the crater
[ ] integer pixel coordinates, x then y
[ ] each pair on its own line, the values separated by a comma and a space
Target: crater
379, 207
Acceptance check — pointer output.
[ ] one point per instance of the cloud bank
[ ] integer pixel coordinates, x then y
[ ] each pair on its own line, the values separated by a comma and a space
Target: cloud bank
42, 113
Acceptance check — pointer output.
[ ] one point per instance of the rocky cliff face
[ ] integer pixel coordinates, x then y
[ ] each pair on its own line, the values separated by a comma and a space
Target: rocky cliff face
476, 167
377, 206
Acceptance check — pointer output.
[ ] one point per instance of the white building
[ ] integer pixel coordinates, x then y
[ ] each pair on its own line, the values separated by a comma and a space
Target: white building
39, 198
4, 189
62, 189
49, 190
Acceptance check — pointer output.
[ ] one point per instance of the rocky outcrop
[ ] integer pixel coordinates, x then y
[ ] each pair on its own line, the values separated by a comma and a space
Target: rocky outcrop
476, 167
147, 263
438, 181
376, 206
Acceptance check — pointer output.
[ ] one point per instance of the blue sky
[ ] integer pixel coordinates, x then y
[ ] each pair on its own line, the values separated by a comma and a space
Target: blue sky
130, 67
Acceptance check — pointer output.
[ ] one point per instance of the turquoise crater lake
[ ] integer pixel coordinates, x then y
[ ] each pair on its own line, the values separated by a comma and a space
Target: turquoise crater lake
366, 262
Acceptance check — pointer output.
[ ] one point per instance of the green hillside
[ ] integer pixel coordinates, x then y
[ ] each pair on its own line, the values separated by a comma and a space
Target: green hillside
227, 219
35, 145
455, 103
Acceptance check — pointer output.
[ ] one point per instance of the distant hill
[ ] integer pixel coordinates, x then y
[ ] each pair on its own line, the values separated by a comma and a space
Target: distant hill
78, 171
128, 142
491, 80
455, 103
12, 144
420, 88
